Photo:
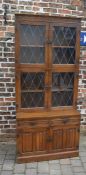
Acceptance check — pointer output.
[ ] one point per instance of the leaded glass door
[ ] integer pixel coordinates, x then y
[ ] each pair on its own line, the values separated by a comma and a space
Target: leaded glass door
32, 77
63, 63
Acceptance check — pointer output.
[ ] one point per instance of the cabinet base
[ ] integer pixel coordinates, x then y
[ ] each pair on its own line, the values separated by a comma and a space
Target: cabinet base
45, 157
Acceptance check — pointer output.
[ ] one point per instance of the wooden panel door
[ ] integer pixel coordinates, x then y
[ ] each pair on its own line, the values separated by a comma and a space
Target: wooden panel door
65, 139
33, 142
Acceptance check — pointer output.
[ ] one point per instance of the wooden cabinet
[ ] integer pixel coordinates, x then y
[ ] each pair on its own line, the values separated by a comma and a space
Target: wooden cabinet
47, 65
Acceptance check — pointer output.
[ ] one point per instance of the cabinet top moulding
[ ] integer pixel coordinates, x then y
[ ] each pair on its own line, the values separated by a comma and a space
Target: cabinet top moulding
47, 114
46, 18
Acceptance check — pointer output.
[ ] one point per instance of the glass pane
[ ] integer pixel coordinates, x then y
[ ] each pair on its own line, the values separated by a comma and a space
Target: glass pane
63, 98
32, 34
32, 55
62, 80
64, 36
32, 99
32, 90
62, 89
63, 56
32, 81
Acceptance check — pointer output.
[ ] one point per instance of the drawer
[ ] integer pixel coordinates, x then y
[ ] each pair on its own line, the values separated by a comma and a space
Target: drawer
27, 125
63, 121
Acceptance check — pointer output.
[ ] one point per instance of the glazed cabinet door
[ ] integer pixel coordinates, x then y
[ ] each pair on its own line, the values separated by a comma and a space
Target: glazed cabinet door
64, 65
31, 66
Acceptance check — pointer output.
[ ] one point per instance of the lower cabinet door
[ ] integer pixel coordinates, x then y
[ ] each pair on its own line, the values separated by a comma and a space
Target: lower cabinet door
32, 137
33, 142
65, 138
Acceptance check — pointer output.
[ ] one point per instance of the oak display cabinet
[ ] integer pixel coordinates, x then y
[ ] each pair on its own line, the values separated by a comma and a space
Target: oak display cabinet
47, 66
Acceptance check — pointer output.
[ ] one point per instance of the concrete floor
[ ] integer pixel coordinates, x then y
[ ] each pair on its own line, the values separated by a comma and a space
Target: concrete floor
69, 166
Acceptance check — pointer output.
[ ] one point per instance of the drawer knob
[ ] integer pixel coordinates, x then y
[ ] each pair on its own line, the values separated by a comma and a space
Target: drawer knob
32, 123
65, 120
49, 139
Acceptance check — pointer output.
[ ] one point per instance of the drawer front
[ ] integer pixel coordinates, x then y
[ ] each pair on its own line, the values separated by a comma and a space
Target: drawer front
64, 121
33, 126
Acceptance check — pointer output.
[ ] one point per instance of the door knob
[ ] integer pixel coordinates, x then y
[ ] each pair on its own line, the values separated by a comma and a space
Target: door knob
49, 139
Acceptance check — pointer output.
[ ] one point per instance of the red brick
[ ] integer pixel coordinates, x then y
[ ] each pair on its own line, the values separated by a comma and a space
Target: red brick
1, 126
10, 99
35, 8
54, 5
64, 11
2, 34
1, 101
77, 3
3, 108
11, 29
3, 122
9, 130
6, 126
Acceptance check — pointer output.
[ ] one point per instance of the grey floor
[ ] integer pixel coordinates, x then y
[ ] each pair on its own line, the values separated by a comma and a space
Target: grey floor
70, 166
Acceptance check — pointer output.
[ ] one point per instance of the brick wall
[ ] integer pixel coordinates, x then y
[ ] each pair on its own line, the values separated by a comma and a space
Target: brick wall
7, 55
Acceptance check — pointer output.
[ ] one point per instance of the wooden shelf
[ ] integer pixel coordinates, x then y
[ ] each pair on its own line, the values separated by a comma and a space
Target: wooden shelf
62, 89
53, 90
64, 47
32, 46
34, 91
52, 46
